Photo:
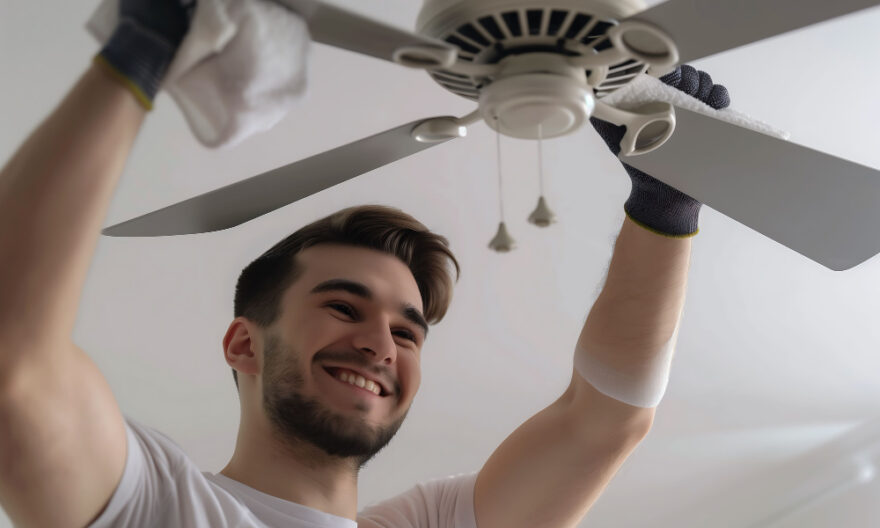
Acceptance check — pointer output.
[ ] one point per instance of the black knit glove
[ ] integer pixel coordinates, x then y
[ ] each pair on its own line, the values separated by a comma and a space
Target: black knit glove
652, 204
144, 43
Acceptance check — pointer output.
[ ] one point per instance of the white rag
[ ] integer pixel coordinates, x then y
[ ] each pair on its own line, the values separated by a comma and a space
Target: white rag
644, 88
238, 71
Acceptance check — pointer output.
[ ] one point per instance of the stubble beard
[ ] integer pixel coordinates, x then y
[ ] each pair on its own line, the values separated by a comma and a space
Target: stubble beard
298, 418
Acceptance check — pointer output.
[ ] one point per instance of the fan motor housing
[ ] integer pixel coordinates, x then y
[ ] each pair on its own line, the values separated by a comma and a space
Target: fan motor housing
436, 13
487, 31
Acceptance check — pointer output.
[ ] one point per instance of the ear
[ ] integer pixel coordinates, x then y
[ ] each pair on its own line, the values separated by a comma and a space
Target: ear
240, 345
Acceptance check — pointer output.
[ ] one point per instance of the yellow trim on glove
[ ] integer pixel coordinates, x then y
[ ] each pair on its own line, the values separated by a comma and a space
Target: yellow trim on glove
119, 76
667, 235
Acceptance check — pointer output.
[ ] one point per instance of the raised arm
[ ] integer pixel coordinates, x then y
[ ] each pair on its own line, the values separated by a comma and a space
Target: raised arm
62, 436
550, 470
54, 194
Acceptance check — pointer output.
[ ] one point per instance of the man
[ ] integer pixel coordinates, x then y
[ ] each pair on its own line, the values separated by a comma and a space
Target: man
324, 346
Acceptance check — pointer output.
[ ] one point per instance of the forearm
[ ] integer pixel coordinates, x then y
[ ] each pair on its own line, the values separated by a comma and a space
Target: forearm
640, 304
54, 195
551, 470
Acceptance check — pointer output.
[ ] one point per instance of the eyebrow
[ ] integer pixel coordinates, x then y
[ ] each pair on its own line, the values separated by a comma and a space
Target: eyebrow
356, 288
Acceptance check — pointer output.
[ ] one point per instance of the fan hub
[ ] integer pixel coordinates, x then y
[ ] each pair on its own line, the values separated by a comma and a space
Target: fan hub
537, 94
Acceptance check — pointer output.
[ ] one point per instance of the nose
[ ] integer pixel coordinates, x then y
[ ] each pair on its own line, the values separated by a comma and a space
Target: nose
374, 339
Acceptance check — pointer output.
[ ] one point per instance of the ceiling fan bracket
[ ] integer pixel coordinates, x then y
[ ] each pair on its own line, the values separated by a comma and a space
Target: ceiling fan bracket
645, 42
438, 129
425, 56
648, 126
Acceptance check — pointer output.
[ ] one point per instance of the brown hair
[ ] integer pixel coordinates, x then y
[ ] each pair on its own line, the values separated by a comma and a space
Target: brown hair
261, 284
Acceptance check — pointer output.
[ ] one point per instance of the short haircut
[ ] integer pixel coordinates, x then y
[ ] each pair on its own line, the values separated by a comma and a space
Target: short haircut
263, 282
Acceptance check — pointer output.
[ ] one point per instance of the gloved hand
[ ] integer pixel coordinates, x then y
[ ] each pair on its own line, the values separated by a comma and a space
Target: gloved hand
652, 204
144, 43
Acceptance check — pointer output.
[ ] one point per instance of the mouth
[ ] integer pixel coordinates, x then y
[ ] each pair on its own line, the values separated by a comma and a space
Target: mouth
353, 380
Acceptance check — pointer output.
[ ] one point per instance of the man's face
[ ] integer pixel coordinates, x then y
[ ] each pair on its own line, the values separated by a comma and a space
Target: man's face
353, 311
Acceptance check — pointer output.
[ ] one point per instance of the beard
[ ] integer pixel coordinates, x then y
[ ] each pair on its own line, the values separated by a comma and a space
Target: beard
299, 418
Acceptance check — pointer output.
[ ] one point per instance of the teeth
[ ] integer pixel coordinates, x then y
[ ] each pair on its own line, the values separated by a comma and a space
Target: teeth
360, 381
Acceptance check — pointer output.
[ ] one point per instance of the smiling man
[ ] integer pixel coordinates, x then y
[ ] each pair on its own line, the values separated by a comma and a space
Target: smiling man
326, 348
325, 345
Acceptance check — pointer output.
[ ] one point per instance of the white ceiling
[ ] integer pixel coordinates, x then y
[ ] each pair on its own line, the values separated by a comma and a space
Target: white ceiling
776, 354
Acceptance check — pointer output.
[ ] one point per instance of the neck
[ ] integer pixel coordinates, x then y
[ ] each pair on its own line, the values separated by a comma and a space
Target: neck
295, 472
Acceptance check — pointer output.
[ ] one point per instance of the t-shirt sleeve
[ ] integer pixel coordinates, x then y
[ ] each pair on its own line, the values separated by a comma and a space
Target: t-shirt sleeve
148, 490
439, 503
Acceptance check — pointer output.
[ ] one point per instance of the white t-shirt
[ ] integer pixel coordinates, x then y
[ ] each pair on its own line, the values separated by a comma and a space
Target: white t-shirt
161, 487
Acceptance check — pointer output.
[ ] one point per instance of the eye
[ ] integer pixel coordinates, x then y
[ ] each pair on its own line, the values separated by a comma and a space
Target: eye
406, 334
350, 312
343, 308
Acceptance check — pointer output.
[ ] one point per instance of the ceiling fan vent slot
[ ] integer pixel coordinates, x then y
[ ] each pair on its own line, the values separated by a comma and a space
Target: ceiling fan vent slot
491, 26
603, 45
461, 84
635, 70
492, 34
452, 39
511, 20
471, 32
458, 76
600, 29
534, 17
579, 23
557, 18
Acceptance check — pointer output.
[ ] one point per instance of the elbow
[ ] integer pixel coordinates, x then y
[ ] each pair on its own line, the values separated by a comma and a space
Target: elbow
619, 431
602, 417
641, 424
632, 427
627, 429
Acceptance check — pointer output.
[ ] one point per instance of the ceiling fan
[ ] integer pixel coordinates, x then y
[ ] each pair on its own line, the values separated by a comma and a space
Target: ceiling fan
549, 63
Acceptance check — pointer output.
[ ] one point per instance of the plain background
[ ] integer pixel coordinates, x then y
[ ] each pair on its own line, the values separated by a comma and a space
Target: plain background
776, 354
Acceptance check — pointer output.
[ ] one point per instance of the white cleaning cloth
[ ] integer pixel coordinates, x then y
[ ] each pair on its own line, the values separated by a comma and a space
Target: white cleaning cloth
239, 69
644, 88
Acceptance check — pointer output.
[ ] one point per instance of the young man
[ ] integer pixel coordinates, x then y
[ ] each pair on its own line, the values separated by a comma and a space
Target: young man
324, 346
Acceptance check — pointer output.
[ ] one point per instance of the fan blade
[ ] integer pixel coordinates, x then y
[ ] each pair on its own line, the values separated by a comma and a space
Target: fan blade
337, 27
705, 27
825, 208
239, 202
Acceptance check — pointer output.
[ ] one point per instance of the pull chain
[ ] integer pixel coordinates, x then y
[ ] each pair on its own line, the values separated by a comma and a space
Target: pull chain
542, 216
498, 155
541, 156
502, 242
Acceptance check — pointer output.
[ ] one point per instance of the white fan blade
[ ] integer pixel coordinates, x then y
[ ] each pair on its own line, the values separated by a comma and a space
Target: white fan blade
824, 207
337, 27
239, 202
701, 28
